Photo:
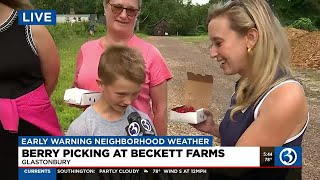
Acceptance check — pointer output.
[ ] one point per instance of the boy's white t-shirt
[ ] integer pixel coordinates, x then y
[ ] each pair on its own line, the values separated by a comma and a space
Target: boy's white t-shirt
90, 123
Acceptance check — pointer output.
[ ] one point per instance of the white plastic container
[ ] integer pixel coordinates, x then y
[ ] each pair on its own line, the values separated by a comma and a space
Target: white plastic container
81, 97
188, 117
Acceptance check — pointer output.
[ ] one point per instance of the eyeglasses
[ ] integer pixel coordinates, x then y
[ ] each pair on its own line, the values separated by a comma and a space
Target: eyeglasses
241, 3
117, 9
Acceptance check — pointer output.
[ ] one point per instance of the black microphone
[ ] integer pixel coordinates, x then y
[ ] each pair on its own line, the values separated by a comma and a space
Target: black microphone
138, 126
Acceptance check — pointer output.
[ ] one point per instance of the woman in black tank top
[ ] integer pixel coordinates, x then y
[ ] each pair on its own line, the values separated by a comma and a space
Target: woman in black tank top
29, 64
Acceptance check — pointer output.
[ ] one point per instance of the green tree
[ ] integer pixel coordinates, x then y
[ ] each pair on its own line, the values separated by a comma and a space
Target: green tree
290, 10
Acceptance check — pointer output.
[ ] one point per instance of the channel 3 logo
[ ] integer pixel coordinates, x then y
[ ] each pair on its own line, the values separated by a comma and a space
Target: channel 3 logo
288, 156
134, 129
146, 125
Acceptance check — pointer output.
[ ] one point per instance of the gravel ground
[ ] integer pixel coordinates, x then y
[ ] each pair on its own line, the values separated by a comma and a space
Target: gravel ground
184, 56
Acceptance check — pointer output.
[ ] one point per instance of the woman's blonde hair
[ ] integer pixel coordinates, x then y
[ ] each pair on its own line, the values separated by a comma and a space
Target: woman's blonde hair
270, 55
17, 4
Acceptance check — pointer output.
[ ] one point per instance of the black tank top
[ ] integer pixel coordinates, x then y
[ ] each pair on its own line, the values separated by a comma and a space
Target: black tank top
20, 69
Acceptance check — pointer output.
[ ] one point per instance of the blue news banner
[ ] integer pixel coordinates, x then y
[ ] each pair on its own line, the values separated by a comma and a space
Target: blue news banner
270, 157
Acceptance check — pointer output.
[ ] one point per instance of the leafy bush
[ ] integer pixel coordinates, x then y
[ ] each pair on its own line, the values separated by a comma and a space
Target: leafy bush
201, 30
304, 23
67, 31
317, 22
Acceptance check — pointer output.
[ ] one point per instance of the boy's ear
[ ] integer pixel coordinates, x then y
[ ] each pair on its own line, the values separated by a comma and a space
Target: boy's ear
99, 82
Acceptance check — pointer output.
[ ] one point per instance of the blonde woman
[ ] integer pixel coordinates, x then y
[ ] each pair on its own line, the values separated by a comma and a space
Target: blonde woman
269, 107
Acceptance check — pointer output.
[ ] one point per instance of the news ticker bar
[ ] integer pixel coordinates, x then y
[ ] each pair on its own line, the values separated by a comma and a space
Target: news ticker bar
62, 173
111, 170
115, 173
158, 157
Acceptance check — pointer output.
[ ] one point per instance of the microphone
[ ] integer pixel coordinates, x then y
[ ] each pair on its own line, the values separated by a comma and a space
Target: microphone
138, 126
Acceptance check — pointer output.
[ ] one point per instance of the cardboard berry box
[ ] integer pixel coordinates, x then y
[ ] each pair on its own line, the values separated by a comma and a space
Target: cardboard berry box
197, 96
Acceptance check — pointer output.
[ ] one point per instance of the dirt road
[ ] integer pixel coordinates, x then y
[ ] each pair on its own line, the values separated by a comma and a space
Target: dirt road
186, 56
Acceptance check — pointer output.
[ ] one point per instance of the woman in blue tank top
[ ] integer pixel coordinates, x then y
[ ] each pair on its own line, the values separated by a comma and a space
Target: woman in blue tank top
269, 107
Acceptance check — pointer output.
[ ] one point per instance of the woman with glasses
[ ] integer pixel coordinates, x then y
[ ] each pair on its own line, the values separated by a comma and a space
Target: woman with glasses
121, 16
269, 107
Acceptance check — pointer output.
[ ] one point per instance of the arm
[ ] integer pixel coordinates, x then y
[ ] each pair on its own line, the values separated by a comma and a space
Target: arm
75, 78
158, 95
78, 66
159, 75
282, 115
48, 54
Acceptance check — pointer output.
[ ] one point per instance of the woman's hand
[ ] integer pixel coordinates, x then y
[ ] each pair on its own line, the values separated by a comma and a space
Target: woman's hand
208, 126
78, 106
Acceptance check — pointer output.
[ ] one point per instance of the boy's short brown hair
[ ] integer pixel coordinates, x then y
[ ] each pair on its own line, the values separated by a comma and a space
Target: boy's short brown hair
121, 61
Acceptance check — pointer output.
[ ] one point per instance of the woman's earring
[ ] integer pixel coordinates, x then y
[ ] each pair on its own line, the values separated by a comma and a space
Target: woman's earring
249, 50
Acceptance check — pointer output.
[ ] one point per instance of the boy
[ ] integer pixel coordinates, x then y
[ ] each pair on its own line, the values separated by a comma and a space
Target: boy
121, 73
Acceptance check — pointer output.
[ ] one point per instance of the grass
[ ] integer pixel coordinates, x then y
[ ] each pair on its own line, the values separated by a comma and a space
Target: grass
68, 52
141, 35
194, 39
